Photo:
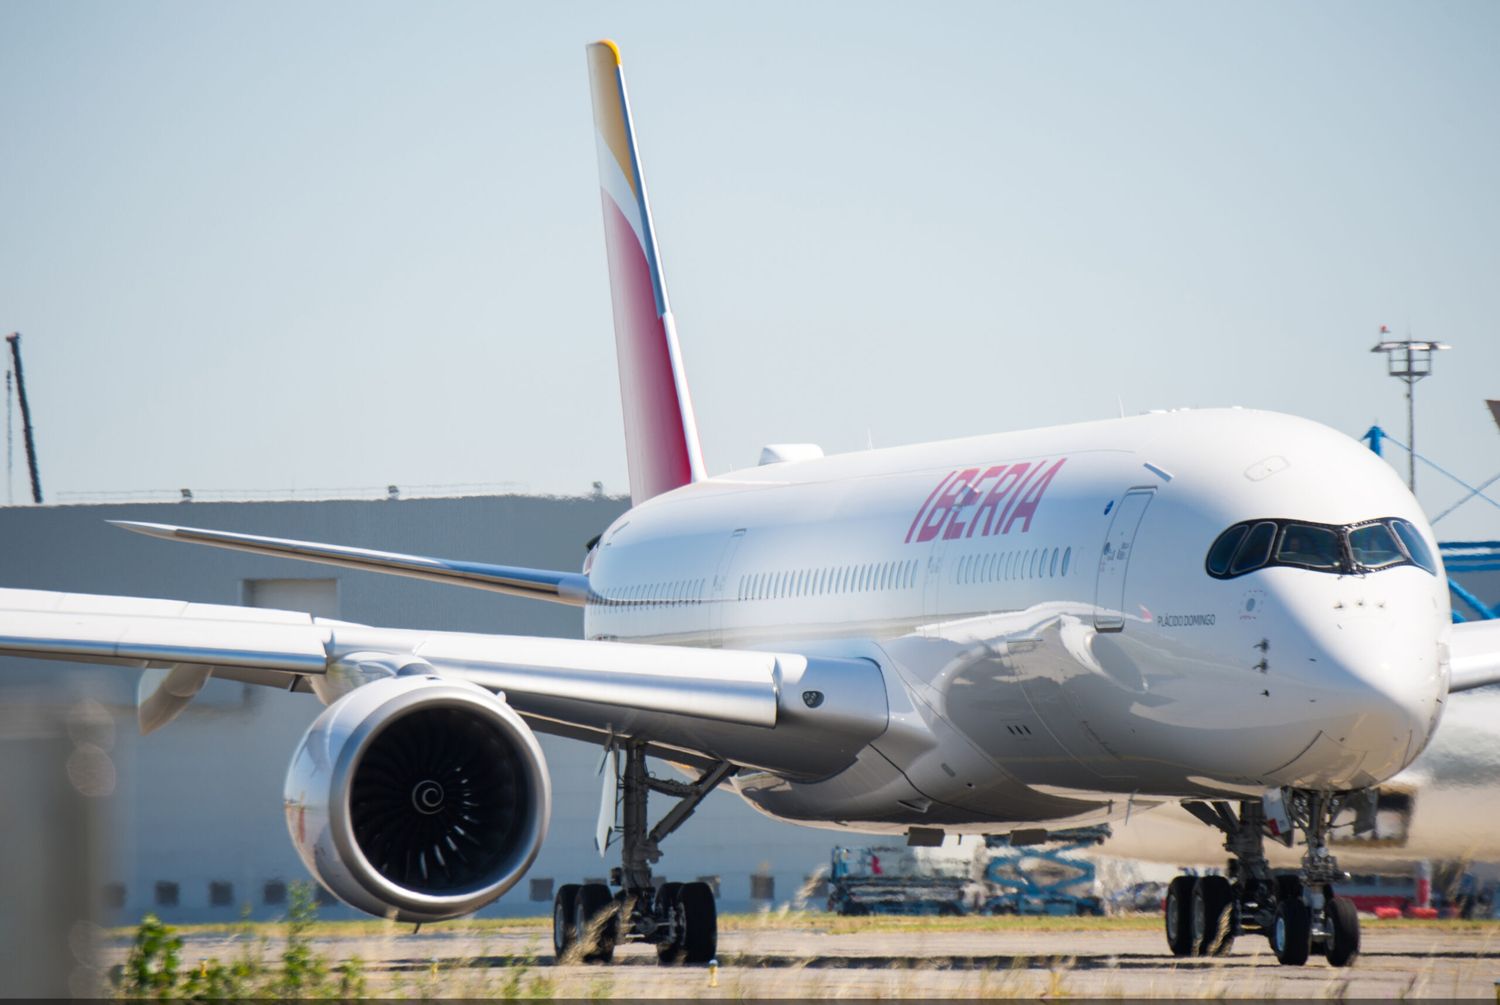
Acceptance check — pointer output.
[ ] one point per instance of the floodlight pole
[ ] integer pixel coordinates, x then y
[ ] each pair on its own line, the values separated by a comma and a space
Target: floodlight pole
14, 338
1410, 360
1411, 434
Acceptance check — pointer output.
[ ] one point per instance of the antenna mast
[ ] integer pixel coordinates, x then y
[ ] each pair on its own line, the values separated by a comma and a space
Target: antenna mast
14, 338
10, 444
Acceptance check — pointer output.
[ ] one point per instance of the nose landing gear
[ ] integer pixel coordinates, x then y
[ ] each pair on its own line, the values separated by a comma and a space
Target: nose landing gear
1297, 912
680, 919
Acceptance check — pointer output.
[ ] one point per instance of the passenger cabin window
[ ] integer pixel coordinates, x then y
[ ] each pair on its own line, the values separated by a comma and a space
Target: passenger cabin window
1351, 548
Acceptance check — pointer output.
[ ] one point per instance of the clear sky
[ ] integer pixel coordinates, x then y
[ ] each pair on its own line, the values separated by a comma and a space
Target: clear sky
288, 245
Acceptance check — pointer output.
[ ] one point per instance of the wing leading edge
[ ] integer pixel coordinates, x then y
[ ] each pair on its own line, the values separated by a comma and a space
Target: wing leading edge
747, 708
1475, 652
539, 584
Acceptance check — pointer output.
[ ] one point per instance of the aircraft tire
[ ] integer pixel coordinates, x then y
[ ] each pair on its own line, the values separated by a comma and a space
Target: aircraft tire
1342, 947
595, 915
564, 933
1177, 911
1291, 933
700, 932
1212, 913
668, 950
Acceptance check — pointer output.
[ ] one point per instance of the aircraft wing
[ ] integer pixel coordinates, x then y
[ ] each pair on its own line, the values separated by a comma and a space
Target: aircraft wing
539, 584
1475, 652
728, 705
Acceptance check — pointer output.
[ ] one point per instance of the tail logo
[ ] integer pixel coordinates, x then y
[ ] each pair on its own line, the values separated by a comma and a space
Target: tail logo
661, 434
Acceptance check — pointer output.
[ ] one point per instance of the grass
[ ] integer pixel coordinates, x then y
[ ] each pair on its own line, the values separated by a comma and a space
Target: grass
511, 958
347, 929
791, 920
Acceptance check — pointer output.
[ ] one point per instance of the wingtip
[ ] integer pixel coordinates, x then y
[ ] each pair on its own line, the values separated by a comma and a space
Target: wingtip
154, 529
614, 49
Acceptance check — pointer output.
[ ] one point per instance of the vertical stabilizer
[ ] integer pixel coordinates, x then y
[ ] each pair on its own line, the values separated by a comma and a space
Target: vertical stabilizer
661, 434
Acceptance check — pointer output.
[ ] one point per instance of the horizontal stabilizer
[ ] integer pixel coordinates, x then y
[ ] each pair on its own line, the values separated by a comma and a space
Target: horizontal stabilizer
539, 584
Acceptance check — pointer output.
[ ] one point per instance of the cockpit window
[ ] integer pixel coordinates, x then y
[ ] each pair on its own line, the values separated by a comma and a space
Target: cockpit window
1416, 548
1368, 546
1256, 549
1375, 547
1223, 549
1310, 546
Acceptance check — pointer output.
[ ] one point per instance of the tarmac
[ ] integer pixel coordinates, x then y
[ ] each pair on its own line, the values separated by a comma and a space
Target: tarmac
801, 958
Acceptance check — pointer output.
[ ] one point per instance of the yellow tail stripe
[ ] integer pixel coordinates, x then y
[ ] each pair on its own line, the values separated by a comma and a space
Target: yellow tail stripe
609, 107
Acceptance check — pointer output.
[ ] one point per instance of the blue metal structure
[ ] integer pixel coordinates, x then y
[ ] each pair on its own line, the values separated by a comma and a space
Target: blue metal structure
1458, 556
1470, 556
1048, 878
1026, 872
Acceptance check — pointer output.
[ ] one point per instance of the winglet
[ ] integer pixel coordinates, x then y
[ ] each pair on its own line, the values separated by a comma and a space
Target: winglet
661, 432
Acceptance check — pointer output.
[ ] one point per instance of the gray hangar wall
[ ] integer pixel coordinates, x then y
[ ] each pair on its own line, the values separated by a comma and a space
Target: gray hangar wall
194, 825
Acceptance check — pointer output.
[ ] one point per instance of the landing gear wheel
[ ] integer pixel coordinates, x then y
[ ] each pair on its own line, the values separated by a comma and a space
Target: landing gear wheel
700, 922
1342, 947
668, 950
594, 919
1291, 933
1212, 914
1179, 921
564, 934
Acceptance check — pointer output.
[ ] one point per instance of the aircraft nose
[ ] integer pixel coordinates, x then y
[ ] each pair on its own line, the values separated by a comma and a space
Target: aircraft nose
1380, 684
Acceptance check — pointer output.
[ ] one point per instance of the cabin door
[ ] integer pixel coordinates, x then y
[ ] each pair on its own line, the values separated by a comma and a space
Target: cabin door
720, 595
1114, 560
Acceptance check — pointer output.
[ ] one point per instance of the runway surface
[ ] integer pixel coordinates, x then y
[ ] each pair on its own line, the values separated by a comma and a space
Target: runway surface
802, 957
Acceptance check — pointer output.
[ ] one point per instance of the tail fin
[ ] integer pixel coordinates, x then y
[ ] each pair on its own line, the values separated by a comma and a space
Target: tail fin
661, 434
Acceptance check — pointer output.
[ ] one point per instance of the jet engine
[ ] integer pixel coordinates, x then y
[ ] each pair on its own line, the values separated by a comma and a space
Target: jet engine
418, 798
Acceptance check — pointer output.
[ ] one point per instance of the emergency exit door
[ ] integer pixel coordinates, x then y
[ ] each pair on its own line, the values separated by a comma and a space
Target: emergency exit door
718, 594
1114, 560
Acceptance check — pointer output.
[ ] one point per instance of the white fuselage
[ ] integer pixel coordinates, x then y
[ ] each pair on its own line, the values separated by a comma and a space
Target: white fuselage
1052, 645
1444, 807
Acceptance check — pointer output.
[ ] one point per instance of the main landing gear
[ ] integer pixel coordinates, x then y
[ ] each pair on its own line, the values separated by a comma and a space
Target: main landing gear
1298, 912
680, 919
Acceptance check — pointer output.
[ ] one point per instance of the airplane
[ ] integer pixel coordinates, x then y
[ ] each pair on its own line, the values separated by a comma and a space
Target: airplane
1424, 814
1007, 633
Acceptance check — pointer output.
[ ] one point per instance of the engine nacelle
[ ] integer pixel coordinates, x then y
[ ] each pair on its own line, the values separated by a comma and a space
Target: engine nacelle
418, 798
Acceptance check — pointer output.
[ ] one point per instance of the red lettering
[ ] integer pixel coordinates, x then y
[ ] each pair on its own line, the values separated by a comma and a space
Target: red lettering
1015, 496
917, 519
991, 504
955, 526
1026, 508
945, 505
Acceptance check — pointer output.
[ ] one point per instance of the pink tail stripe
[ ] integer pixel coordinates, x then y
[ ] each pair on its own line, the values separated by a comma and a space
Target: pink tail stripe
656, 446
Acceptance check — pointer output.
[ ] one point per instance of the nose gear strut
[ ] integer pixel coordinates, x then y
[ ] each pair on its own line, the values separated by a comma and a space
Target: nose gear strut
1298, 912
